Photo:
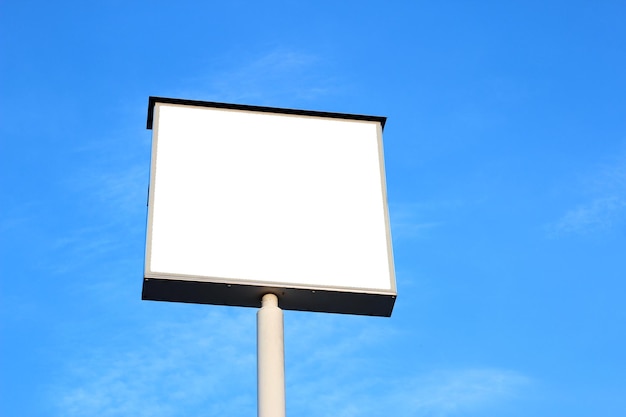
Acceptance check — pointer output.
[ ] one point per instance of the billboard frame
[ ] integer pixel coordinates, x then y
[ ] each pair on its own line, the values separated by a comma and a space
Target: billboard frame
248, 293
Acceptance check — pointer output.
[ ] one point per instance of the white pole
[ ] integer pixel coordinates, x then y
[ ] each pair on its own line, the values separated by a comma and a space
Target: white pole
270, 358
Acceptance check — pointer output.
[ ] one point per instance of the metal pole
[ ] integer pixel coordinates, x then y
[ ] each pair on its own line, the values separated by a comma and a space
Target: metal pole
270, 358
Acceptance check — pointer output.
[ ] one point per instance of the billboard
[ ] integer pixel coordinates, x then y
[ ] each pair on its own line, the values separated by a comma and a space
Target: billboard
248, 200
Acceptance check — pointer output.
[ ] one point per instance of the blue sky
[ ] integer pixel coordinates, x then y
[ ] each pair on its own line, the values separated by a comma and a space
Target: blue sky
505, 151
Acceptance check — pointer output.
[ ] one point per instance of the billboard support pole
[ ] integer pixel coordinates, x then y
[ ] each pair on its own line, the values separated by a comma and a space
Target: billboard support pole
270, 358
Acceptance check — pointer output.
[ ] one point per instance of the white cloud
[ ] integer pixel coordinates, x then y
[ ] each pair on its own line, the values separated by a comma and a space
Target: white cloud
437, 393
444, 393
126, 191
192, 364
339, 362
169, 369
417, 220
406, 228
605, 211
278, 77
599, 215
113, 218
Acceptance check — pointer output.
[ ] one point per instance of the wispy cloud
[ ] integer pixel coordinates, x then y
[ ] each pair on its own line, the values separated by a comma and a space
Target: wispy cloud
112, 217
166, 370
126, 191
410, 220
605, 211
406, 228
277, 76
205, 364
339, 365
452, 392
599, 215
439, 393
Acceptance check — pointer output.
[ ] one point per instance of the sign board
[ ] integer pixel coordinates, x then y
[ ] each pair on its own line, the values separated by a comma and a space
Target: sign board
248, 200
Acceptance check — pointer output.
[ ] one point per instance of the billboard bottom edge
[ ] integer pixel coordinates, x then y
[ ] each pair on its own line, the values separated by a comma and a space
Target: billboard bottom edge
324, 301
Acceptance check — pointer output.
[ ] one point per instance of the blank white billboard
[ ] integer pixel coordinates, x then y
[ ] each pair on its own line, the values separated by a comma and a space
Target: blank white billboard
246, 200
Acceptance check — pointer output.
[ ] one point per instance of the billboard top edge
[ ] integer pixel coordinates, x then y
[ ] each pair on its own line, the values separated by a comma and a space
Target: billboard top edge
153, 100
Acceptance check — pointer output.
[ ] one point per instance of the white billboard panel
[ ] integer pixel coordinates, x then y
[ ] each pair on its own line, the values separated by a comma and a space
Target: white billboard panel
247, 200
